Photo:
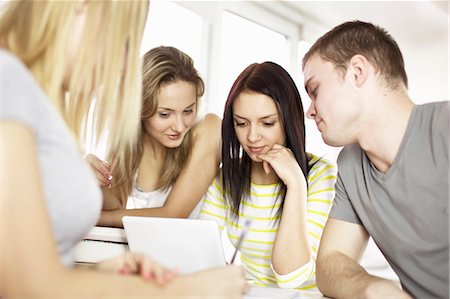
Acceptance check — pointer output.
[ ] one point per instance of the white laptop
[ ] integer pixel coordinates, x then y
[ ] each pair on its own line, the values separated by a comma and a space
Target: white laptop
188, 245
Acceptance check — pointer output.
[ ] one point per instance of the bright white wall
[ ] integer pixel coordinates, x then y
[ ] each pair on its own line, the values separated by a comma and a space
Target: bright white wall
427, 67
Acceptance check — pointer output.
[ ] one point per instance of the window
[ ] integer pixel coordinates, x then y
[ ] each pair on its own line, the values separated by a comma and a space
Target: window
244, 42
169, 24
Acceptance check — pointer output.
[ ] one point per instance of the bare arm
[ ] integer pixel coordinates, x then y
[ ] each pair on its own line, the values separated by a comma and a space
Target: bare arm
25, 272
102, 172
193, 181
291, 248
338, 273
110, 200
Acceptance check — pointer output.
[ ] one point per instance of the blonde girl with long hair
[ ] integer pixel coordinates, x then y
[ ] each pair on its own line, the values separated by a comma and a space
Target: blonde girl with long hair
56, 58
177, 154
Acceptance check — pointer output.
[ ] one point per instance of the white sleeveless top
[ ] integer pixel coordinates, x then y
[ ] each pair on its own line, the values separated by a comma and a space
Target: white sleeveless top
140, 199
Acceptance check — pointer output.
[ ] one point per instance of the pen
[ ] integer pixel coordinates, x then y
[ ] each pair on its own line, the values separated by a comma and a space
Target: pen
247, 223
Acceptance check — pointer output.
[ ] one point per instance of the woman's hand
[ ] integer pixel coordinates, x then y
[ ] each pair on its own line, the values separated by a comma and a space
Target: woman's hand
135, 263
101, 170
281, 160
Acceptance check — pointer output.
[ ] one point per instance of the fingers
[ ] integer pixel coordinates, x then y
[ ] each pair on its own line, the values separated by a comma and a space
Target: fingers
101, 170
278, 146
281, 160
128, 264
266, 167
103, 181
107, 164
149, 269
240, 279
152, 271
277, 151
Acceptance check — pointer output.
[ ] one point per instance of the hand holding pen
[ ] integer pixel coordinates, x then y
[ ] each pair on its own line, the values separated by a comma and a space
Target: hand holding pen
244, 232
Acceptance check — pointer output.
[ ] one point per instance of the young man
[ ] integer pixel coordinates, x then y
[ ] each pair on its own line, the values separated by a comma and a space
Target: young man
393, 173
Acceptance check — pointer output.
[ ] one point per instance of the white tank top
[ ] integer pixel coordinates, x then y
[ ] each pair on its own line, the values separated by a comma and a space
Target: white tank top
140, 199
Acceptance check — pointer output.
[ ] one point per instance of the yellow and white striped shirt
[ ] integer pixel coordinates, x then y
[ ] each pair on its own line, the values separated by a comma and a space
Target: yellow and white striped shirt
262, 206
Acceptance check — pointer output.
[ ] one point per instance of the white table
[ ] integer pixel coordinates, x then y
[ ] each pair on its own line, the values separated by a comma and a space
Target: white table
274, 293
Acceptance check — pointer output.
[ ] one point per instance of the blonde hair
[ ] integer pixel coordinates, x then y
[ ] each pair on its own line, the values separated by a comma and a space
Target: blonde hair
162, 65
107, 74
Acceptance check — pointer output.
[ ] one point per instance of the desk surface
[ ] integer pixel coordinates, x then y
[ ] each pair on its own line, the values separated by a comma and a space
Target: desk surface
269, 293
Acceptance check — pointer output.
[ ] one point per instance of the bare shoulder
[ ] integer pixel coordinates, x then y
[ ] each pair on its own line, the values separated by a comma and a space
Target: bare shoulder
209, 124
207, 134
208, 128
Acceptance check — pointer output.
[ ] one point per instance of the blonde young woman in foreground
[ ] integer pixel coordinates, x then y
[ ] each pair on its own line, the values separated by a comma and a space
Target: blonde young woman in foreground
177, 155
55, 57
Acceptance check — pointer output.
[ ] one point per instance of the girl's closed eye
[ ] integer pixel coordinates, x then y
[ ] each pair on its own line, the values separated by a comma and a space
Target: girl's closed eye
239, 123
164, 114
269, 123
188, 111
314, 92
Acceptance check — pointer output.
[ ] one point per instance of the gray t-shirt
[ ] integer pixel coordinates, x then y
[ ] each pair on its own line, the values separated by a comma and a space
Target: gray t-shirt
71, 193
406, 209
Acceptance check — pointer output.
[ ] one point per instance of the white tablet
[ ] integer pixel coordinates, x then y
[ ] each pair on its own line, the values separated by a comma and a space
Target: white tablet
188, 245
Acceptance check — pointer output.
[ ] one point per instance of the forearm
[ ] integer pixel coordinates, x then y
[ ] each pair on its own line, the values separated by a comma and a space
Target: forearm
110, 200
292, 248
83, 283
339, 276
113, 218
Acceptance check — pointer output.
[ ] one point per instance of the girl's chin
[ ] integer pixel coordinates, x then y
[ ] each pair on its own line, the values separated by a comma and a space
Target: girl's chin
173, 144
255, 159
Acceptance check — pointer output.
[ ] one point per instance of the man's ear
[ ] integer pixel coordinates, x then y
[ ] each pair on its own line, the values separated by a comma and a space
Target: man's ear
359, 68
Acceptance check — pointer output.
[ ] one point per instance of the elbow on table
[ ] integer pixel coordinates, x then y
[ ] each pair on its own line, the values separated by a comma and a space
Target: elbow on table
296, 278
321, 277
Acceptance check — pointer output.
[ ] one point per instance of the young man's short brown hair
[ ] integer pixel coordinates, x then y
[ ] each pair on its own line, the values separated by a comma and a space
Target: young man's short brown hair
344, 41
